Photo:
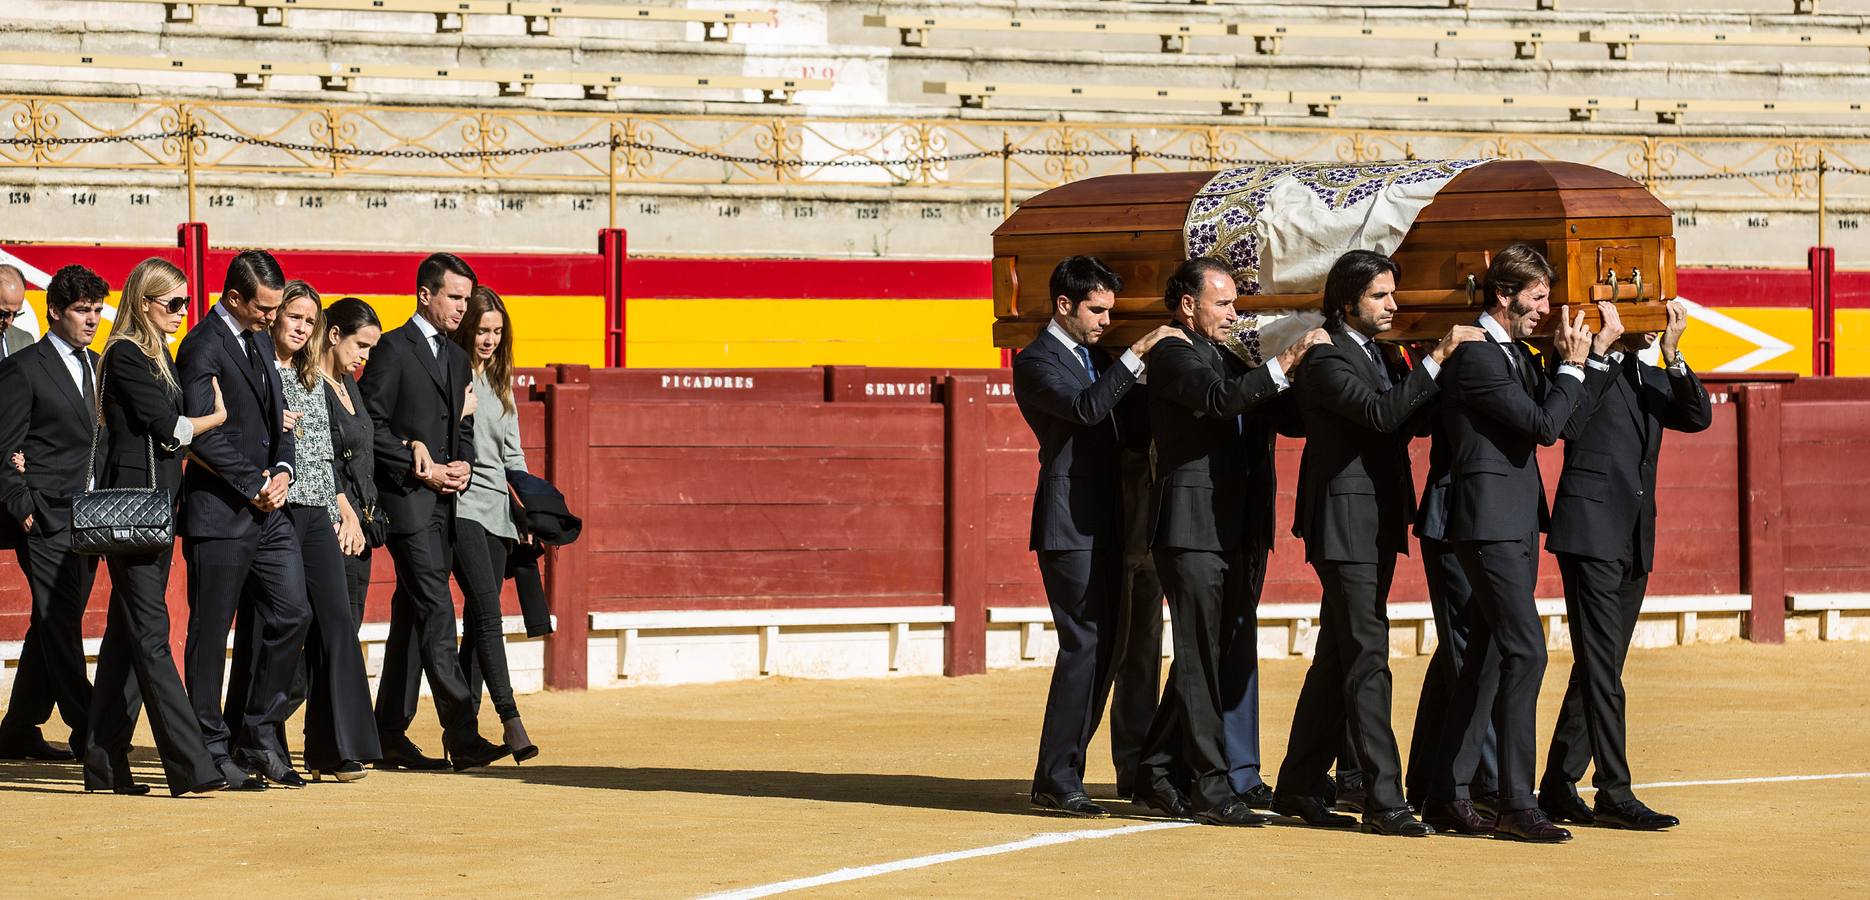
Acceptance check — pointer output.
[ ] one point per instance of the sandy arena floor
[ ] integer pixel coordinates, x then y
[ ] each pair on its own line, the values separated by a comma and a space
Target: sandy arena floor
654, 792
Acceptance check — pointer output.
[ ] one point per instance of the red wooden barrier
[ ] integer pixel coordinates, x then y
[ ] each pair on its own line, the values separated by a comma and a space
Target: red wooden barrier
1763, 555
965, 480
567, 578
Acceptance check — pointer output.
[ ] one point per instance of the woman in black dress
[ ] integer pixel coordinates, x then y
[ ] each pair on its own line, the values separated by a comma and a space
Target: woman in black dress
141, 405
351, 330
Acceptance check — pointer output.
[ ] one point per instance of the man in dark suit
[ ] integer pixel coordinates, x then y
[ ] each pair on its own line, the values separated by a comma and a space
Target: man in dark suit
1136, 625
1212, 417
242, 552
1068, 391
1356, 498
1497, 409
48, 404
1604, 534
13, 338
415, 387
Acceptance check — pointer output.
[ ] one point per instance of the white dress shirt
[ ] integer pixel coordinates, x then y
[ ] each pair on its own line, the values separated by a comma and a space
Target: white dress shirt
1428, 362
1129, 358
1500, 337
68, 354
429, 334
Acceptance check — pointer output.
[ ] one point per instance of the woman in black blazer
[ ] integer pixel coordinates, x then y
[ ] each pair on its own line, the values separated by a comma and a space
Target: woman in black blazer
141, 406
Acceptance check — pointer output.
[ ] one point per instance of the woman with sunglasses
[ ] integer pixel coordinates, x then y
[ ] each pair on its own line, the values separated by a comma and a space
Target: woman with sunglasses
141, 405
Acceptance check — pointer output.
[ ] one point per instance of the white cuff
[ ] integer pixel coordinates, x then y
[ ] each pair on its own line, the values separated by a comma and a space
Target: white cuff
1433, 367
184, 432
1680, 368
1572, 370
1279, 373
1601, 365
1132, 362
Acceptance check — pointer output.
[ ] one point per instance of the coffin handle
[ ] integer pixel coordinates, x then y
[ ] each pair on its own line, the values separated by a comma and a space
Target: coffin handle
1610, 277
1636, 277
1473, 287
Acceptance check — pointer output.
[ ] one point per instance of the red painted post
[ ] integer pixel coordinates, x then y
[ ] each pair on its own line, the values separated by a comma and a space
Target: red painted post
612, 246
192, 237
567, 578
1823, 263
964, 581
1762, 512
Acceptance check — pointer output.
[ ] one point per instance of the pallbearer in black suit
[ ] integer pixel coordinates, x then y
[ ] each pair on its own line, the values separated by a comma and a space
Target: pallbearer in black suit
47, 397
1497, 409
1136, 623
242, 552
1604, 534
142, 410
416, 387
1356, 499
1207, 537
1067, 391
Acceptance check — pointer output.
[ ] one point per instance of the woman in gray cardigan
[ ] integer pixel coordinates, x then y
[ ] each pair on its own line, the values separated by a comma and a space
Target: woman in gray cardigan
483, 514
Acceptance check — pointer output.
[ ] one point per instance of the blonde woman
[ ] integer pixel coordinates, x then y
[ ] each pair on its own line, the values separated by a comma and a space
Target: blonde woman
340, 728
141, 404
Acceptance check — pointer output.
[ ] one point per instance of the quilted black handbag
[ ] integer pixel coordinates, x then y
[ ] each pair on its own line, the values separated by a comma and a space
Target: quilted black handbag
112, 521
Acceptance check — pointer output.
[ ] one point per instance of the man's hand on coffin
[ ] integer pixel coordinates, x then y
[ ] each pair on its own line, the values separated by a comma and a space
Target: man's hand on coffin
1609, 331
1289, 360
1148, 341
1672, 336
1458, 335
1572, 338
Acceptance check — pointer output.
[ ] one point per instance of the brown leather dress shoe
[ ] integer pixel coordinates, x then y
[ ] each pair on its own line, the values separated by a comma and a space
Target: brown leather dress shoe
1457, 817
1529, 825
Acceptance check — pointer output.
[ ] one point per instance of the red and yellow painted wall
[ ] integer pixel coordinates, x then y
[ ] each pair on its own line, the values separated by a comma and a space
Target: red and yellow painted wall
779, 313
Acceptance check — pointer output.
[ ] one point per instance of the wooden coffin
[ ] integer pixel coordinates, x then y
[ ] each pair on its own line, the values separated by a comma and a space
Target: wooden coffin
1590, 223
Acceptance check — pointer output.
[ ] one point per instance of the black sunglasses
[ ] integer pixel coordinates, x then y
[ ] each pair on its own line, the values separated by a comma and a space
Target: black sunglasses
7, 315
175, 304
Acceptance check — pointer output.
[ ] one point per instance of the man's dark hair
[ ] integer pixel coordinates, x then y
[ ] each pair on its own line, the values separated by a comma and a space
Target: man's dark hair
1350, 276
72, 284
1515, 269
1188, 277
250, 271
1075, 277
429, 274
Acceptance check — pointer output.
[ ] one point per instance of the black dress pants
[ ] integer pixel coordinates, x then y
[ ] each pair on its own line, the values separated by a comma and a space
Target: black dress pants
263, 577
1349, 678
51, 669
479, 564
1505, 664
422, 635
135, 670
1136, 628
1211, 604
357, 585
339, 724
1079, 586
1602, 602
1430, 755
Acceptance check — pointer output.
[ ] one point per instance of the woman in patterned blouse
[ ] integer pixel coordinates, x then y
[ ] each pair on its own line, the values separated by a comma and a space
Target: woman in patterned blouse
340, 729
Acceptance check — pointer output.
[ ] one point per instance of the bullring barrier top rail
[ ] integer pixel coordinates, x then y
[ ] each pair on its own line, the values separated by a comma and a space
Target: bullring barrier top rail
255, 73
451, 15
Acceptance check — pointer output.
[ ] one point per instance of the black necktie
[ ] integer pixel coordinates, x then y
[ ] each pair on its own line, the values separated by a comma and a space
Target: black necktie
253, 351
89, 386
1376, 359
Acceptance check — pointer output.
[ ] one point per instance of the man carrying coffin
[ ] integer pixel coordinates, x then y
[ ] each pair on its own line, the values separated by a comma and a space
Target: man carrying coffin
1355, 502
1068, 391
1604, 534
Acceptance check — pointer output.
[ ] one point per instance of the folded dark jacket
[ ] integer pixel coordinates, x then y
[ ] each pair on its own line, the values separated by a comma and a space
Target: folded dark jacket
542, 511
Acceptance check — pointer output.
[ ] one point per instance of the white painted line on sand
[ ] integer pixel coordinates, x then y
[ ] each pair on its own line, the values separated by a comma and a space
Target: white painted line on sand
1065, 837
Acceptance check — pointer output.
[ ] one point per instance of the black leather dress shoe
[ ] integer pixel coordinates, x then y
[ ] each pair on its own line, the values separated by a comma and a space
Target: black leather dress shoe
32, 745
1171, 804
1076, 803
1531, 826
1260, 796
1457, 817
239, 779
477, 753
273, 766
1312, 810
127, 788
1565, 807
346, 771
1233, 812
1633, 815
402, 753
1353, 799
206, 787
1395, 823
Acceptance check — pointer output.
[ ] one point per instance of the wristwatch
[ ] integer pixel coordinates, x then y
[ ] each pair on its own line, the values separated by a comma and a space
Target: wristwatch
1677, 360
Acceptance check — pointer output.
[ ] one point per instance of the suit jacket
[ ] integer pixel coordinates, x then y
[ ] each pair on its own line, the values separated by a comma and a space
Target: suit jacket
414, 395
1356, 495
1493, 418
1075, 506
1607, 490
140, 410
1214, 420
232, 463
16, 339
43, 415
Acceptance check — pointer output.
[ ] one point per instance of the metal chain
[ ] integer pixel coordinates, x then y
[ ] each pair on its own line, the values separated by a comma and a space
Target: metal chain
616, 144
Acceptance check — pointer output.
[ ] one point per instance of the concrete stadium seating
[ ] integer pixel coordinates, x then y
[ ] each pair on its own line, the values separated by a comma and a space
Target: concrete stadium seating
451, 15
